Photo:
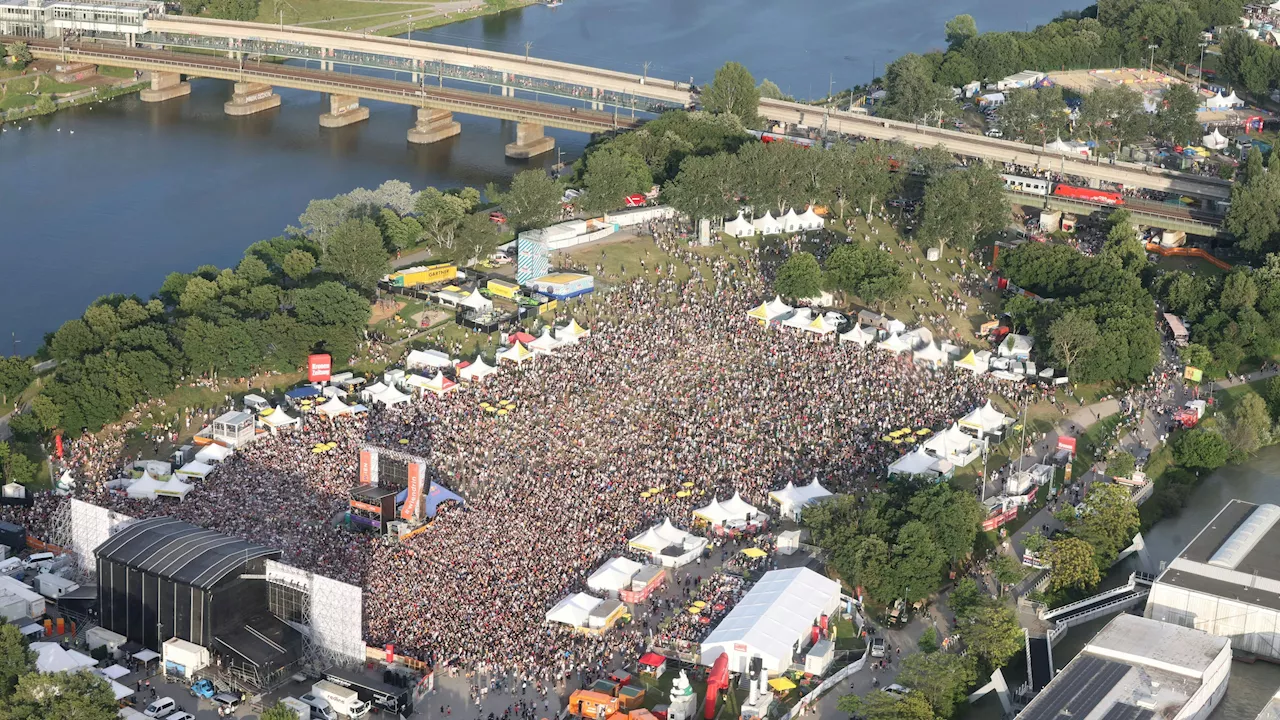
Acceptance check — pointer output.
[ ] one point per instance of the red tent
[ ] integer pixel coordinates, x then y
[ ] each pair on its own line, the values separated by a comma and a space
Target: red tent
522, 337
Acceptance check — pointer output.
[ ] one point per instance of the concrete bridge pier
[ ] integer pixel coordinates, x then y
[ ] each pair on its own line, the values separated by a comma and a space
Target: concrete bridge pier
344, 110
250, 98
433, 126
165, 86
595, 103
530, 142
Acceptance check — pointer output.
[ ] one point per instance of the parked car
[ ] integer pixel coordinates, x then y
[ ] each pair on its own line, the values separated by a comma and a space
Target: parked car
160, 707
498, 217
204, 688
226, 703
896, 689
877, 647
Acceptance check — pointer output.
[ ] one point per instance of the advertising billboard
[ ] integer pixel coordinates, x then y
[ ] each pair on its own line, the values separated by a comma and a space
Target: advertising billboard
368, 466
319, 368
413, 500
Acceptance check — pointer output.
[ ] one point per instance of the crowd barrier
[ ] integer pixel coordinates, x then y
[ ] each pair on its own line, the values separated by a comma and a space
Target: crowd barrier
1188, 252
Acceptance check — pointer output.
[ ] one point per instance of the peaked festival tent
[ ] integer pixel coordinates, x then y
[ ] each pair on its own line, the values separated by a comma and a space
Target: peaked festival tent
574, 610
893, 344
799, 319
767, 225
984, 419
794, 498
426, 358
195, 469
478, 302
811, 220
278, 418
857, 335
954, 445
441, 384
738, 508
334, 408
712, 513
477, 370
790, 221
614, 575
1214, 140
972, 363
214, 454
517, 354
916, 462
544, 344
931, 354
820, 325
739, 227
391, 397
571, 333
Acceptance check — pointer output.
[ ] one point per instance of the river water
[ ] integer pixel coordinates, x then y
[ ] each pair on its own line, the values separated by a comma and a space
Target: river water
110, 198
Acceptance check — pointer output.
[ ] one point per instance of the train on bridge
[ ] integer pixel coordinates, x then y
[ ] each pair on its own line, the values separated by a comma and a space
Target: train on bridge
1042, 187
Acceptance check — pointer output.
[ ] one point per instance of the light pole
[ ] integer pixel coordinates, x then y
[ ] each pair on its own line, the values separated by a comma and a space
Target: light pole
408, 22
527, 45
1200, 67
1152, 63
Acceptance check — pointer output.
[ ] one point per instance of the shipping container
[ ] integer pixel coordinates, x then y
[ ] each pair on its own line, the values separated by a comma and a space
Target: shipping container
503, 289
423, 275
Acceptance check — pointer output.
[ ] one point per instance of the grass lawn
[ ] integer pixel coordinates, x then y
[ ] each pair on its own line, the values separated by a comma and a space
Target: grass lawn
9, 102
300, 11
1193, 265
1088, 445
115, 72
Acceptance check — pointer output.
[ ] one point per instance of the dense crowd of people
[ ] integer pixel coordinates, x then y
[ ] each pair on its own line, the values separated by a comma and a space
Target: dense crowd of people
675, 385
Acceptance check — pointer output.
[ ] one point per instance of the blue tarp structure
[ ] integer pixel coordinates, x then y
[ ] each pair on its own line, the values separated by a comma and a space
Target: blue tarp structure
302, 392
440, 494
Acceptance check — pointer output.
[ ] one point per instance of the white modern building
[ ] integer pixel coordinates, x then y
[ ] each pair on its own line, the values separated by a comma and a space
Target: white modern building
1227, 580
774, 621
1136, 668
51, 18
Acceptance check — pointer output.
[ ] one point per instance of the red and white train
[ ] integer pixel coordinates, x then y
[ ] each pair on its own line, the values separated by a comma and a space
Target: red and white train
1040, 186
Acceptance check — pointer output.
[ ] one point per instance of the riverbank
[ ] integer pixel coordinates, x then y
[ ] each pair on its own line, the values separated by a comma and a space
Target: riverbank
386, 17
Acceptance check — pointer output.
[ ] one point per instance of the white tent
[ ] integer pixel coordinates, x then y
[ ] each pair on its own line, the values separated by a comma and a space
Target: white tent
278, 418
1015, 346
799, 318
195, 469
478, 302
1233, 100
52, 658
916, 462
772, 620
739, 509
373, 390
571, 333
977, 363
441, 384
811, 220
931, 354
954, 446
739, 227
669, 545
769, 311
917, 338
857, 335
517, 354
984, 419
894, 344
477, 370
767, 225
544, 343
334, 408
794, 498
1066, 148
574, 610
1214, 140
213, 454
790, 221
614, 575
649, 541
391, 397
712, 513
820, 325
427, 358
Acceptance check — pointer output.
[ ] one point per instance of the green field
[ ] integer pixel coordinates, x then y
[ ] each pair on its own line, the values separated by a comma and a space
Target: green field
381, 17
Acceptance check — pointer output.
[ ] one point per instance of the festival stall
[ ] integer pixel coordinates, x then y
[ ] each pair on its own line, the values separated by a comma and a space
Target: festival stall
277, 418
653, 664
613, 576
985, 420
739, 227
149, 488
517, 354
1015, 346
793, 498
574, 610
917, 338
668, 545
712, 514
767, 225
810, 220
919, 462
799, 318
767, 312
857, 335
390, 397
932, 355
821, 325
195, 469
643, 584
476, 370
477, 302
894, 344
213, 454
335, 408
976, 363
571, 333
427, 359
1215, 140
441, 385
955, 446
790, 221
545, 343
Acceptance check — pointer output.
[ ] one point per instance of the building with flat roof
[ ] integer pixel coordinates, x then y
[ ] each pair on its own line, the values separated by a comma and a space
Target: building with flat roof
1227, 580
1136, 668
50, 18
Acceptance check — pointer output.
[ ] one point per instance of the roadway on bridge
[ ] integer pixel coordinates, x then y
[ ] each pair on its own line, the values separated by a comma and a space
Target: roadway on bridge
363, 86
1129, 175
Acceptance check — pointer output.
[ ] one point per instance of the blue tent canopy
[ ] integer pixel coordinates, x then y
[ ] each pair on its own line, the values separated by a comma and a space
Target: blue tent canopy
440, 494
302, 392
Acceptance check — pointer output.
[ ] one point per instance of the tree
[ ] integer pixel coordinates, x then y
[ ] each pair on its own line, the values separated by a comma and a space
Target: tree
1201, 448
1108, 522
330, 304
1039, 116
355, 254
46, 412
72, 340
611, 175
1175, 118
1249, 426
279, 711
733, 91
1123, 246
912, 92
1007, 570
1113, 115
532, 201
233, 9
954, 518
916, 570
769, 89
960, 29
1273, 396
1071, 335
1071, 565
1196, 355
60, 696
198, 295
19, 54
705, 187
1254, 216
942, 678
928, 642
298, 264
962, 205
15, 376
1120, 465
799, 277
16, 659
478, 238
887, 706
992, 633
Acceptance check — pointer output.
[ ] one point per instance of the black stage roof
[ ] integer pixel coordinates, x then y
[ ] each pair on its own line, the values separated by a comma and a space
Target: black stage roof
371, 493
265, 641
180, 551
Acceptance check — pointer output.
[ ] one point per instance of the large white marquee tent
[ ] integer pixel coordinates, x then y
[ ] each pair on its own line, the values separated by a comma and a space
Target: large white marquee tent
668, 545
613, 576
794, 498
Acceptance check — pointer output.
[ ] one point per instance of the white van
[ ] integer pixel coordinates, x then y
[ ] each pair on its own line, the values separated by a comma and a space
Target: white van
35, 559
160, 707
344, 700
255, 403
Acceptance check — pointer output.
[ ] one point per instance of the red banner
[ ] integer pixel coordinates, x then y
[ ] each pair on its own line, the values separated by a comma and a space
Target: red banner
318, 368
1066, 442
57, 441
996, 521
391, 653
366, 467
414, 497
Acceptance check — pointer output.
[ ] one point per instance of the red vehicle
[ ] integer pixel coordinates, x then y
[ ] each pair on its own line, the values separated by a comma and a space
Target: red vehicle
497, 217
1088, 194
635, 200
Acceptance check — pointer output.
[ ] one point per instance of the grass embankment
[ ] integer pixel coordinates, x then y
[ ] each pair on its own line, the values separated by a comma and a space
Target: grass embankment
386, 17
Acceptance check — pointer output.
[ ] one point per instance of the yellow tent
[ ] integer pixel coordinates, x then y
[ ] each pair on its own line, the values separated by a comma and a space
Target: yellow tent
782, 684
754, 552
761, 313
